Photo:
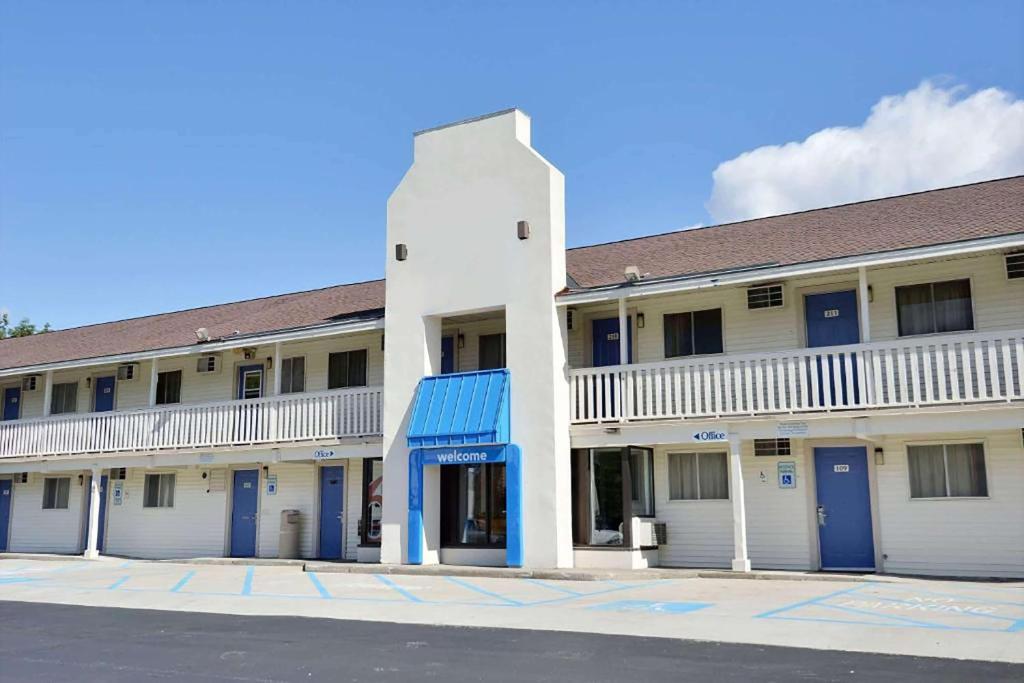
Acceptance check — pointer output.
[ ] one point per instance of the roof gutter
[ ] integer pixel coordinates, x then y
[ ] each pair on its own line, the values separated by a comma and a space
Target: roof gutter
234, 342
614, 292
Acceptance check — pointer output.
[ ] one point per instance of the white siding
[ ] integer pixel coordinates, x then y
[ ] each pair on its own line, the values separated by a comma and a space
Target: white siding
296, 490
778, 535
35, 530
353, 505
983, 537
467, 358
194, 527
699, 531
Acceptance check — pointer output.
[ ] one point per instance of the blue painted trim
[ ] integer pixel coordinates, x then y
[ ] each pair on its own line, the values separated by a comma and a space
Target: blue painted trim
415, 525
247, 584
320, 588
185, 579
515, 549
401, 591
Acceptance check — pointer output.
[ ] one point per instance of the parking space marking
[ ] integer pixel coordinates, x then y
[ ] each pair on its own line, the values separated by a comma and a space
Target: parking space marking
401, 591
482, 591
320, 588
247, 583
117, 584
559, 589
184, 580
650, 606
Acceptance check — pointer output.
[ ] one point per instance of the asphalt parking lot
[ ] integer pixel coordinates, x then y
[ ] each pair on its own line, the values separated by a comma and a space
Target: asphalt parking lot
953, 619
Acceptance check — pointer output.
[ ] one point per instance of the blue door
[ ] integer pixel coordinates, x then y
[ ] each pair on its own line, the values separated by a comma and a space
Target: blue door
606, 341
831, 320
250, 381
101, 535
447, 355
5, 512
244, 499
104, 398
12, 403
332, 496
844, 508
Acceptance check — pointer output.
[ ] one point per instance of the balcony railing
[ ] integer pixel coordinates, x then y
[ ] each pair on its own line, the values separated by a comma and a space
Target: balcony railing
909, 372
319, 416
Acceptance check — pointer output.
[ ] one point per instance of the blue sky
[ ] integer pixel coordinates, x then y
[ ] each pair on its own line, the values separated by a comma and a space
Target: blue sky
164, 155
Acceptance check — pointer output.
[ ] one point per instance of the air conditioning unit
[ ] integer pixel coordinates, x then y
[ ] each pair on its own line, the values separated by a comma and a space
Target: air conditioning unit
30, 383
570, 313
661, 533
207, 364
249, 353
1015, 265
119, 474
127, 372
21, 478
765, 296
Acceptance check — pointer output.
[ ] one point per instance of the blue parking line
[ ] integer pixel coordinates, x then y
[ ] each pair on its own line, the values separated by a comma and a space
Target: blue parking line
247, 584
804, 603
624, 587
320, 588
940, 612
965, 598
891, 617
185, 579
554, 587
117, 584
401, 591
482, 591
125, 565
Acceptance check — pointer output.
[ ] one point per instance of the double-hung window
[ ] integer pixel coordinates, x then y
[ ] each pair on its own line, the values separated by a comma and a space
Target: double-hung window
934, 307
293, 375
168, 387
693, 333
346, 369
64, 398
56, 491
947, 471
492, 351
159, 490
698, 476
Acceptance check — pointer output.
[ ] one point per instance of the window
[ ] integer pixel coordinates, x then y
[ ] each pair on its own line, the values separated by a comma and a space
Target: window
373, 501
934, 307
764, 296
947, 471
56, 492
64, 398
698, 476
293, 375
694, 333
159, 492
492, 351
641, 479
473, 505
772, 447
168, 387
346, 369
610, 487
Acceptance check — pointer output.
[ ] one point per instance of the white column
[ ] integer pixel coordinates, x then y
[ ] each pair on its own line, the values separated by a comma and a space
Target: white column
154, 376
740, 561
624, 358
865, 310
277, 369
91, 551
47, 392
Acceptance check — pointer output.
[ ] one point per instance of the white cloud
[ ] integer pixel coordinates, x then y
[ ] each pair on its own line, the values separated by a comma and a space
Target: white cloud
926, 138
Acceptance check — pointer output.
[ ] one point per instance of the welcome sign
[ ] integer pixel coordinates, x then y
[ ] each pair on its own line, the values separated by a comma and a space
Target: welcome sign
463, 455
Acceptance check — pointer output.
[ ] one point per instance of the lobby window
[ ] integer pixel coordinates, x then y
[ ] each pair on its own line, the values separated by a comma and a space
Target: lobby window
293, 375
698, 476
947, 471
159, 491
473, 511
168, 387
346, 369
610, 487
373, 500
693, 333
56, 491
492, 351
65, 398
934, 307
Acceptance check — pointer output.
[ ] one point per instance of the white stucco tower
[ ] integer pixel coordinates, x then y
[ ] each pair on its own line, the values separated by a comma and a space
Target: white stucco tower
456, 211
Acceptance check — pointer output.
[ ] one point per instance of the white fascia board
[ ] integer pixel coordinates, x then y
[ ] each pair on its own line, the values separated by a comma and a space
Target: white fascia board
300, 334
684, 284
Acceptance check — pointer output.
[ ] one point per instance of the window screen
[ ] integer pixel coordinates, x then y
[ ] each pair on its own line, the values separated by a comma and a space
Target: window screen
934, 307
56, 492
168, 387
346, 369
293, 375
64, 398
698, 476
693, 333
159, 491
947, 471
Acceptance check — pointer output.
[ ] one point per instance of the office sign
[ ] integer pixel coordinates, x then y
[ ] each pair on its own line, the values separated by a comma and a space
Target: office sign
710, 435
324, 454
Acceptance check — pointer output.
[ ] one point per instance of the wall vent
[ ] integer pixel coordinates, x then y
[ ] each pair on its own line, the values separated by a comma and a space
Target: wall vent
119, 474
1015, 265
207, 364
765, 296
661, 533
772, 447
127, 372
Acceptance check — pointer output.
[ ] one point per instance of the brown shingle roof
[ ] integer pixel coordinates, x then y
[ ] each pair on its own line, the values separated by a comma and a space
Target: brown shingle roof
937, 217
960, 213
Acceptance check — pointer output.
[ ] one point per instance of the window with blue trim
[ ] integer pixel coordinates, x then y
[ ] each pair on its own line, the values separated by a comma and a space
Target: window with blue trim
473, 506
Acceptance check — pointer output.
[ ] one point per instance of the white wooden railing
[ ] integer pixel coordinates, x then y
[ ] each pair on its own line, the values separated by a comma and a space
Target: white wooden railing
315, 416
919, 371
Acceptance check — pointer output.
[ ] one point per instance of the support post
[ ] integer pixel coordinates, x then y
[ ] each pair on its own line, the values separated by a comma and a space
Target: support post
277, 369
865, 310
154, 378
740, 560
92, 537
47, 393
624, 358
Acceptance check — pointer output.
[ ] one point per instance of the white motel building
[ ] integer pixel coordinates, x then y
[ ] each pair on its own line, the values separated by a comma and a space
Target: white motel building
835, 389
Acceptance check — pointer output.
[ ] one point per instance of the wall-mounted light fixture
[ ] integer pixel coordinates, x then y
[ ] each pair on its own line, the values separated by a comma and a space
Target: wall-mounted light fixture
871, 294
640, 322
461, 340
401, 252
523, 230
879, 456
81, 479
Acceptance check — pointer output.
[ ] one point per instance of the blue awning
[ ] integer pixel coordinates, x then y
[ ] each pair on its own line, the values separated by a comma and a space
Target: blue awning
462, 408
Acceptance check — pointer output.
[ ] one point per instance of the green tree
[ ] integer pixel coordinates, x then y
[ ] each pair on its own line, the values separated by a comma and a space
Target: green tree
22, 329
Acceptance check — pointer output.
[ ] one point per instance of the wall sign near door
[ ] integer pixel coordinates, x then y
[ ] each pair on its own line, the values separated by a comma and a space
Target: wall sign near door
787, 475
324, 454
710, 435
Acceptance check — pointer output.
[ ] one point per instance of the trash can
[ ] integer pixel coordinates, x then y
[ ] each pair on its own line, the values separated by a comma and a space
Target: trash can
288, 541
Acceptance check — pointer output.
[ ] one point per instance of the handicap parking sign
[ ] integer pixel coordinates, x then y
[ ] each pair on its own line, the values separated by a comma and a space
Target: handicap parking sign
787, 475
